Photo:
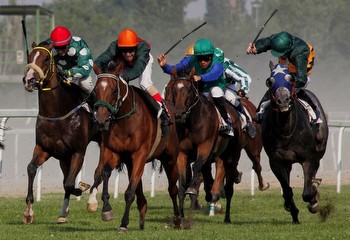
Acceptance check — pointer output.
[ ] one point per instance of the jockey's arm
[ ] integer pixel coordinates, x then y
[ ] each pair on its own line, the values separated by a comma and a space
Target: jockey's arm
183, 64
215, 73
84, 62
300, 63
107, 56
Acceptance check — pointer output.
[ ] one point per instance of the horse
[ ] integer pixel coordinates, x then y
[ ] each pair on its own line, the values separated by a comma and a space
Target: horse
198, 124
289, 137
131, 135
63, 127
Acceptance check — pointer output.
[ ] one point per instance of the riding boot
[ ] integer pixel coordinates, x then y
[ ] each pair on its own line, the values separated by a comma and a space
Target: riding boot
302, 95
264, 102
249, 127
165, 117
220, 104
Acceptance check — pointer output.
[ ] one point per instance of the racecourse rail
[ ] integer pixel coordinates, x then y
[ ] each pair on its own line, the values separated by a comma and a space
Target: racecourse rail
5, 114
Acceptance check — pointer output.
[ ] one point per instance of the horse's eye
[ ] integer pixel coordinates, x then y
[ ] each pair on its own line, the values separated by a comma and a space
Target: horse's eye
269, 82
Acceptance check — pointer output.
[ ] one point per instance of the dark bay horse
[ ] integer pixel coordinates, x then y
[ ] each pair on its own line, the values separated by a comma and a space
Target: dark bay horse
132, 136
63, 128
289, 137
198, 124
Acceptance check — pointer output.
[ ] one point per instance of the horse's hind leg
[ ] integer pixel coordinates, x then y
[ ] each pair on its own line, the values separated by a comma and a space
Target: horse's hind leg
282, 173
310, 193
255, 158
39, 157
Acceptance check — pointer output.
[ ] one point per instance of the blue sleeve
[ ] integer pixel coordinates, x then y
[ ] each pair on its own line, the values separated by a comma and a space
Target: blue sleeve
214, 74
183, 64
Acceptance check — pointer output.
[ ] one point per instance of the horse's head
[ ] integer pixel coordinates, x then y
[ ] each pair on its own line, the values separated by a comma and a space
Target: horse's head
40, 67
181, 94
111, 90
281, 86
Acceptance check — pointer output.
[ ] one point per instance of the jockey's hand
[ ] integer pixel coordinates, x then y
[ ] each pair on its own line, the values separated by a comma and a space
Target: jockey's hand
61, 72
241, 93
162, 60
197, 78
251, 49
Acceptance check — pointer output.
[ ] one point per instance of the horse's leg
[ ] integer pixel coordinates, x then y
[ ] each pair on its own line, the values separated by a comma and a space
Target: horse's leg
39, 157
138, 165
253, 151
172, 172
310, 193
219, 179
282, 173
203, 153
92, 204
182, 167
230, 176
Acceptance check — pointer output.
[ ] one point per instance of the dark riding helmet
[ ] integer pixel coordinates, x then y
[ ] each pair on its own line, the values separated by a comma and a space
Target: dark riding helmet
203, 47
281, 44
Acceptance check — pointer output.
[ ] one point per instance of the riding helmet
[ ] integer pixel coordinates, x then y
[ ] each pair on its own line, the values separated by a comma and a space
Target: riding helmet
281, 44
203, 47
127, 38
60, 36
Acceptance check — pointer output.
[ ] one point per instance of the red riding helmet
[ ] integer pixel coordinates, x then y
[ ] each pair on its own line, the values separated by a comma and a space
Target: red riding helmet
60, 36
127, 38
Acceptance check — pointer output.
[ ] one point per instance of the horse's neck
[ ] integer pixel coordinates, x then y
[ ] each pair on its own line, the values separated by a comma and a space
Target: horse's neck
58, 100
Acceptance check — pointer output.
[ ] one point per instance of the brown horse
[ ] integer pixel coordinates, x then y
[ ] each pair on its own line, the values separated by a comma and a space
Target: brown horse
289, 138
131, 135
63, 128
197, 124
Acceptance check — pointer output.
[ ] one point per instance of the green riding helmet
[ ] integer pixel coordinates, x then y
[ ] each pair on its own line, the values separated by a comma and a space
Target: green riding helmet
281, 44
203, 47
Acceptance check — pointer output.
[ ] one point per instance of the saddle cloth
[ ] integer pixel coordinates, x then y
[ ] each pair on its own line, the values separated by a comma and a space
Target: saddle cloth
310, 111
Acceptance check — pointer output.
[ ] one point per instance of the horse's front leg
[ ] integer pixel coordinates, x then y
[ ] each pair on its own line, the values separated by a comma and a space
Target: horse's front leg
138, 165
203, 153
182, 166
39, 157
282, 173
310, 193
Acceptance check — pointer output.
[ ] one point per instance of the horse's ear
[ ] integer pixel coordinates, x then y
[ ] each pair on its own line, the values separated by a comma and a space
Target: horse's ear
271, 65
269, 82
51, 46
173, 72
97, 70
34, 44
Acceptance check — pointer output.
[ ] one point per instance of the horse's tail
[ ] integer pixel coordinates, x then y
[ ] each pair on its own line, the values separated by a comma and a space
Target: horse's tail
154, 166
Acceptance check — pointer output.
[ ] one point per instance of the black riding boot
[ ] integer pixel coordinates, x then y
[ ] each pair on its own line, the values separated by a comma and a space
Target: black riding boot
220, 104
261, 108
249, 127
165, 117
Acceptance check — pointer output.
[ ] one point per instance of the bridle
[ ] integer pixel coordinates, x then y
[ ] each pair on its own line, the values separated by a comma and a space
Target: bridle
42, 76
114, 109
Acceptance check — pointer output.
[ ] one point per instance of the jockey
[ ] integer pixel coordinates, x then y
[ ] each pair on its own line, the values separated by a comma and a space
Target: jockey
238, 82
297, 55
73, 58
209, 72
137, 64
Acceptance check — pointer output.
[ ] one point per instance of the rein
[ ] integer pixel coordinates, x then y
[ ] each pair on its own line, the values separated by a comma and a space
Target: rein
115, 108
197, 94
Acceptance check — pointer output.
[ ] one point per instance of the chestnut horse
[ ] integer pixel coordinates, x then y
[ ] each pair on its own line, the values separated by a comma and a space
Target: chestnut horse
63, 128
289, 137
131, 135
198, 124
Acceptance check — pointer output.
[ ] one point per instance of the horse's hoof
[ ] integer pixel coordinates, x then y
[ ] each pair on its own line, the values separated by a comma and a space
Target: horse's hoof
191, 191
238, 179
61, 220
265, 186
28, 219
123, 230
314, 207
84, 186
107, 216
92, 207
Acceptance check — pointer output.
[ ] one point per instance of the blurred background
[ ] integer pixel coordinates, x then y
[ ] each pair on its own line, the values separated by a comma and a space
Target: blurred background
231, 25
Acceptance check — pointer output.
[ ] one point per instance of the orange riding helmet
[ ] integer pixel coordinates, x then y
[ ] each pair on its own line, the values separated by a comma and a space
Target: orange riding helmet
60, 36
127, 38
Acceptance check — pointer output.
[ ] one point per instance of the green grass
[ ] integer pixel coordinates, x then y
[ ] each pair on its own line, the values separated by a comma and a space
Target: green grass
253, 217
